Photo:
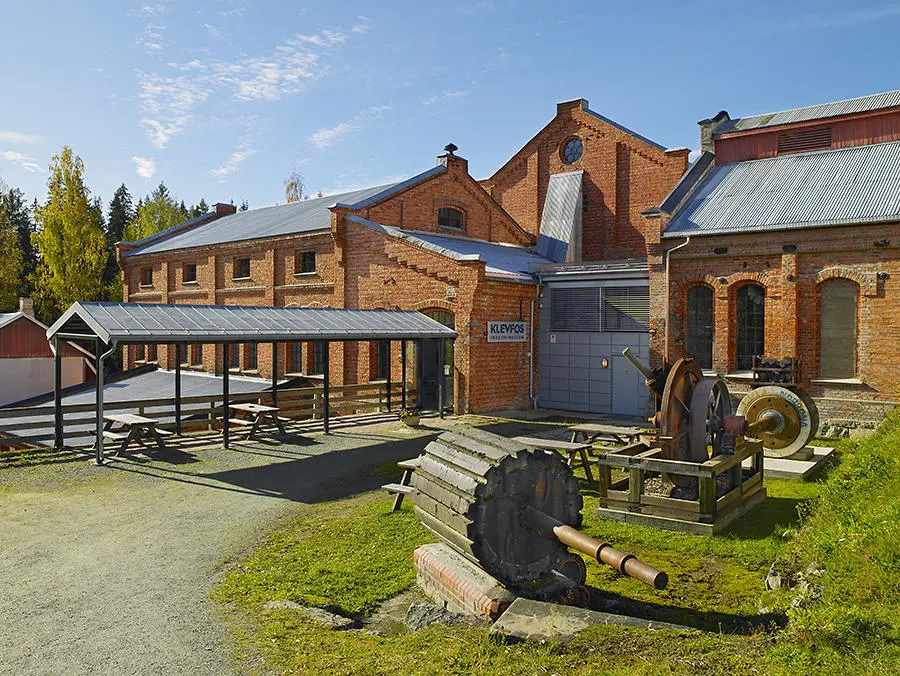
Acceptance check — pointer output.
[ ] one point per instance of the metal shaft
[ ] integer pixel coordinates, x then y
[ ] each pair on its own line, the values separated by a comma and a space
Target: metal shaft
627, 564
637, 363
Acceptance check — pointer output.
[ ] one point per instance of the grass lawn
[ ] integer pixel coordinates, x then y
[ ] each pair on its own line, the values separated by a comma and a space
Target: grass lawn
354, 554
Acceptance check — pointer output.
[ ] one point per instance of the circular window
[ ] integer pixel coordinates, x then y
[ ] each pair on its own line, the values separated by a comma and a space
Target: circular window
572, 150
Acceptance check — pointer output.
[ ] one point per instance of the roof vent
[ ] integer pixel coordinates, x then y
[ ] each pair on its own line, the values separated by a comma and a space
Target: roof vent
804, 141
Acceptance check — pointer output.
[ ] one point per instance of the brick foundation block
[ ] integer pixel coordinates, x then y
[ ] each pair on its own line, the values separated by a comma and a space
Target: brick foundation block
457, 584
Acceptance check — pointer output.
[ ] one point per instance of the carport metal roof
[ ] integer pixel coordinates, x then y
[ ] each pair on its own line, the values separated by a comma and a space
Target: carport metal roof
120, 323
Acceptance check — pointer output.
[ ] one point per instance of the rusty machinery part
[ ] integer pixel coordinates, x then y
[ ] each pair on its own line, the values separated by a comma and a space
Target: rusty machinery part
510, 509
654, 379
574, 568
783, 420
674, 417
710, 408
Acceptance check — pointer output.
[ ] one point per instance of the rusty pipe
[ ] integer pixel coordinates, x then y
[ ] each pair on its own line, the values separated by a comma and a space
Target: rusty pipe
627, 564
645, 370
769, 422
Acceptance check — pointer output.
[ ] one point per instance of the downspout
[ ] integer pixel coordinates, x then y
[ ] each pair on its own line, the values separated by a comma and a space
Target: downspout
531, 396
668, 276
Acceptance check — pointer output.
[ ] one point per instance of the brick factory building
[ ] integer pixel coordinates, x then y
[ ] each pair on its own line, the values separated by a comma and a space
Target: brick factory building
443, 243
787, 235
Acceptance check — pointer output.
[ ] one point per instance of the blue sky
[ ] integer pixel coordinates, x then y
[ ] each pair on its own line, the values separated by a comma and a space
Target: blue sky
222, 99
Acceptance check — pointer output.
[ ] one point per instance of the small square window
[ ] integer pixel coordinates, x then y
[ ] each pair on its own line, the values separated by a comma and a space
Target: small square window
146, 276
190, 272
241, 268
451, 218
304, 262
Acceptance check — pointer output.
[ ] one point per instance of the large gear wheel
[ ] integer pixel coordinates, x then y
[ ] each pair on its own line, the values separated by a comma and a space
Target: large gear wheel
795, 418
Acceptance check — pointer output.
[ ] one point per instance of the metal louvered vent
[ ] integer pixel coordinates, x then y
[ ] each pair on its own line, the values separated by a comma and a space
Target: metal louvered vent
575, 309
626, 308
803, 141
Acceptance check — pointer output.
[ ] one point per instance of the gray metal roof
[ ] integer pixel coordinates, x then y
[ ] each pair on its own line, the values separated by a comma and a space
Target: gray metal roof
561, 218
154, 385
507, 262
859, 104
625, 267
823, 188
283, 219
151, 323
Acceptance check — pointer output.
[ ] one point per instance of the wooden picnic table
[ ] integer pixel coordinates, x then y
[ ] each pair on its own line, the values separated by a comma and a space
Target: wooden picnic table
133, 427
590, 433
260, 414
562, 448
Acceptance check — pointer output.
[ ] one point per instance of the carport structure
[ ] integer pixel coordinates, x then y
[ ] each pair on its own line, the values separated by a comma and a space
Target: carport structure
109, 326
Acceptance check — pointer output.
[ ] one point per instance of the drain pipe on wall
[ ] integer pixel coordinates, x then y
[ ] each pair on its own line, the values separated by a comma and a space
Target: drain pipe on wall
668, 276
537, 295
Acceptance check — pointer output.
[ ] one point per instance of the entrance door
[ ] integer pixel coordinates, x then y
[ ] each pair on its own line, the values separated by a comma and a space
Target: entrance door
431, 368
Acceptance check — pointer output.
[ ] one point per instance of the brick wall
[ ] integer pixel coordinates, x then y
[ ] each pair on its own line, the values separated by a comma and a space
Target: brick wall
623, 176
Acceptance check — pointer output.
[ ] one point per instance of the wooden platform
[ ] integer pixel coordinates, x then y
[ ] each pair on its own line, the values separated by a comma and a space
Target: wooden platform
625, 500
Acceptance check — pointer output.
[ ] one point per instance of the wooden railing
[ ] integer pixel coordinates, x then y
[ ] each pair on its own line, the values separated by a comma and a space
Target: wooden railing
34, 425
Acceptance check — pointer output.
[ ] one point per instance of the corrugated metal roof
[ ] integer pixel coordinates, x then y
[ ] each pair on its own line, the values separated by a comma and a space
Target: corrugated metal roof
859, 104
816, 189
561, 218
149, 323
282, 219
507, 262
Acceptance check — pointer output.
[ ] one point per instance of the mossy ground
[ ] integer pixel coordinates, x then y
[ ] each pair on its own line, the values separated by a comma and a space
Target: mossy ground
354, 554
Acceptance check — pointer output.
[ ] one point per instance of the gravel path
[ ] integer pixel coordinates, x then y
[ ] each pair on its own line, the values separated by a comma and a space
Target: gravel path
107, 570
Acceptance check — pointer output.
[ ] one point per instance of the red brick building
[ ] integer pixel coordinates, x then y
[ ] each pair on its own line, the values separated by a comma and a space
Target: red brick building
787, 236
567, 207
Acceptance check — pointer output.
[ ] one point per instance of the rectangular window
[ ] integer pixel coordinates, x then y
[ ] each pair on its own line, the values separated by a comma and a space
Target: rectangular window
189, 273
234, 357
197, 355
575, 309
296, 365
241, 268
146, 276
139, 354
318, 357
304, 262
251, 363
837, 329
626, 308
185, 354
151, 353
450, 218
382, 358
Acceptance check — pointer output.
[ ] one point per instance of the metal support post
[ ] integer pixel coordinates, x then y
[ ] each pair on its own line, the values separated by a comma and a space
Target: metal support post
325, 402
58, 440
225, 367
178, 389
441, 358
389, 366
403, 372
275, 374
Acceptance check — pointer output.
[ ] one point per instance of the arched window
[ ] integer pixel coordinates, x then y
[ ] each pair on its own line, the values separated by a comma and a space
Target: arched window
751, 325
451, 219
700, 325
837, 329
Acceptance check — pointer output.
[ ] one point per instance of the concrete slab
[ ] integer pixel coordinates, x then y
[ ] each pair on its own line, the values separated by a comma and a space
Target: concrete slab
795, 468
541, 621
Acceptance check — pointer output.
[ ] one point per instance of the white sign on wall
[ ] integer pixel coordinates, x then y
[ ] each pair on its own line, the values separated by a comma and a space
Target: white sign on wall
507, 332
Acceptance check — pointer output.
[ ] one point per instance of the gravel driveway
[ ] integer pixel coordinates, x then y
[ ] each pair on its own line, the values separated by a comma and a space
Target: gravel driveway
108, 569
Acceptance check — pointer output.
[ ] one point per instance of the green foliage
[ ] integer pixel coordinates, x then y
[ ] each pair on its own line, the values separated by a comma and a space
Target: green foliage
70, 241
17, 214
158, 212
11, 262
121, 213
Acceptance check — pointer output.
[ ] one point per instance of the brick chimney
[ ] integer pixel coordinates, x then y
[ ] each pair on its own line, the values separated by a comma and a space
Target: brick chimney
708, 128
223, 209
26, 306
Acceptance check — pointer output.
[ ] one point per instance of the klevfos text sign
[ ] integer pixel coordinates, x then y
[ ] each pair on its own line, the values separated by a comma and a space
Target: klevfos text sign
507, 332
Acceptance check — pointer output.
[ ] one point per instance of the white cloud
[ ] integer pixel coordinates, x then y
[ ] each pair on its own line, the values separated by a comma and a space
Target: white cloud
327, 136
444, 96
168, 104
212, 30
154, 10
26, 162
234, 11
234, 162
144, 166
7, 136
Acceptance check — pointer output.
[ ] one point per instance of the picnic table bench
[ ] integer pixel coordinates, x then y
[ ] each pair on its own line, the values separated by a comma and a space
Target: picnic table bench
403, 488
133, 427
590, 432
260, 415
563, 448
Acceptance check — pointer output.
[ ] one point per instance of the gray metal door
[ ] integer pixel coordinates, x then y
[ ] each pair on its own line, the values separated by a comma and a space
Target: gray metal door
626, 387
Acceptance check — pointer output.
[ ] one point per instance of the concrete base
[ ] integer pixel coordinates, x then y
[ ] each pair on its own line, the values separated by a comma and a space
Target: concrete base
540, 621
457, 584
803, 465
